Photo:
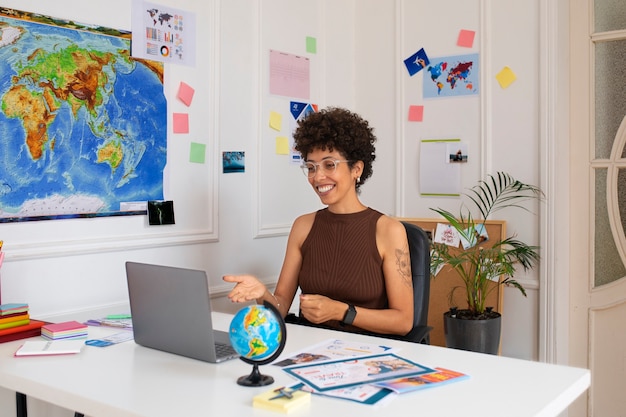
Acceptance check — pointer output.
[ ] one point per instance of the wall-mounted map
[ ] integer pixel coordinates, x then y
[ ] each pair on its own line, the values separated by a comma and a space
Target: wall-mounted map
83, 126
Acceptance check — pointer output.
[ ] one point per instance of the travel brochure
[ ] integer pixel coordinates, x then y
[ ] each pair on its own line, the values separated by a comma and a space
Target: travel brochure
367, 374
349, 372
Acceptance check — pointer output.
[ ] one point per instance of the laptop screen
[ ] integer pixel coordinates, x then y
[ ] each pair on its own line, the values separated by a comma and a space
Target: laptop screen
171, 310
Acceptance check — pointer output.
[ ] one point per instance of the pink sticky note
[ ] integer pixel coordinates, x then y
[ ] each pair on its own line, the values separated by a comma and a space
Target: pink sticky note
466, 38
181, 123
416, 113
185, 93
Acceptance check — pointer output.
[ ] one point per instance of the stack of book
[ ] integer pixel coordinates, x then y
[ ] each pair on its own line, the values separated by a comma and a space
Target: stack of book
15, 322
66, 330
13, 315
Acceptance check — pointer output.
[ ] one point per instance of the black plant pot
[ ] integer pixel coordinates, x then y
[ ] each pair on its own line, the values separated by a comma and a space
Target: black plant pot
476, 335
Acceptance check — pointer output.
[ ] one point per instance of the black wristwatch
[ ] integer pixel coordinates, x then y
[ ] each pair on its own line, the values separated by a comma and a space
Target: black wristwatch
348, 318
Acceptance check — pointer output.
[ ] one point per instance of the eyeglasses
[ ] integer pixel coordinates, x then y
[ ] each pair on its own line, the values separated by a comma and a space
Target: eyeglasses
328, 166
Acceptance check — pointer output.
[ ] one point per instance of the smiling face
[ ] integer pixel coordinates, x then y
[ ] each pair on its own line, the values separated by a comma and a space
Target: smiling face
336, 189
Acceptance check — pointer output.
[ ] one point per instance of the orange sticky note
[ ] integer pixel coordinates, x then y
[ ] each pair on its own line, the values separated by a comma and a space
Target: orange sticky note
282, 145
181, 122
416, 113
506, 77
185, 93
466, 38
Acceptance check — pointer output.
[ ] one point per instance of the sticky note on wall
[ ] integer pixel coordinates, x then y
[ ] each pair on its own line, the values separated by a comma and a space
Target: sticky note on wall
506, 77
181, 122
185, 93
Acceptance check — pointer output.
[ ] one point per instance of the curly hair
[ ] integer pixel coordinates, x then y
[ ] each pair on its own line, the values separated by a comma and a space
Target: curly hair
335, 128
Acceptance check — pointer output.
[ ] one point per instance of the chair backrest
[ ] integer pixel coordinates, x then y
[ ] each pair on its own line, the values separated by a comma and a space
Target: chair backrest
419, 248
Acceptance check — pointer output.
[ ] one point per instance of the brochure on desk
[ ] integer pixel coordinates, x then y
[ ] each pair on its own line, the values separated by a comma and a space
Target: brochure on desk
354, 371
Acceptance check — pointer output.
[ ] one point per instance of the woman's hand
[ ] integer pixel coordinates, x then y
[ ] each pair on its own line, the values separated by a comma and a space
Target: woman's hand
247, 288
318, 308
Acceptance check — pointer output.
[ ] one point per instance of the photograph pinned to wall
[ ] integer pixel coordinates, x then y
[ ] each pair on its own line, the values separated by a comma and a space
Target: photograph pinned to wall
457, 152
160, 212
163, 33
452, 76
298, 112
233, 162
416, 62
478, 234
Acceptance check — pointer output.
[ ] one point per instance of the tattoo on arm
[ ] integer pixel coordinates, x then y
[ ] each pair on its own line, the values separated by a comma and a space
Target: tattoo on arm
403, 263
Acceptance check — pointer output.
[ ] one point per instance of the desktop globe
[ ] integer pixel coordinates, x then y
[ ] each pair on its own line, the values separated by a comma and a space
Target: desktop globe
258, 334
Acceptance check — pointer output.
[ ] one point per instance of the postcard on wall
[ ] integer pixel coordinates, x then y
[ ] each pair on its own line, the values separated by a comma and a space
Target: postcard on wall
162, 33
298, 111
447, 234
355, 371
452, 76
477, 234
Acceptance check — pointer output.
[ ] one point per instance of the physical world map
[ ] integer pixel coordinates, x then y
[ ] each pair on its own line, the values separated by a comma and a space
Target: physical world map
82, 124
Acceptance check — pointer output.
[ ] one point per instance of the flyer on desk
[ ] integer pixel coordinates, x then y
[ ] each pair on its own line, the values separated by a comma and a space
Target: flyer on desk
354, 371
332, 349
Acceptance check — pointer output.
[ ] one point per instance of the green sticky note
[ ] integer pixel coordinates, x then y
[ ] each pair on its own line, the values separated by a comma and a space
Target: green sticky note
311, 45
196, 152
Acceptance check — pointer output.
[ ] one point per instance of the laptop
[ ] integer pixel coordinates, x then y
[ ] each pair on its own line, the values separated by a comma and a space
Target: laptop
171, 311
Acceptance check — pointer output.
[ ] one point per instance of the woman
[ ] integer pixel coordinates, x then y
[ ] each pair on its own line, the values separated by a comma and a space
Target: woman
350, 261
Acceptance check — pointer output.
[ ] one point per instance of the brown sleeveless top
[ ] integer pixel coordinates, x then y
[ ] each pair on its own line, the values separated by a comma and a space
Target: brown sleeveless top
340, 259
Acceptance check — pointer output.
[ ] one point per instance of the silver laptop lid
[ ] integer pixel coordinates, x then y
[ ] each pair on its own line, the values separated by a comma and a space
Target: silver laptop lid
171, 311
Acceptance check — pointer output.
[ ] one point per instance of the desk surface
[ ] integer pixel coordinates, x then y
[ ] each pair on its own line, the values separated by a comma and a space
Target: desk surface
127, 380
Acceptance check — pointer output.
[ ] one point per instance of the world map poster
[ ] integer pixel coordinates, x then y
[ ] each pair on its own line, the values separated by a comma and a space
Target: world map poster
83, 126
452, 76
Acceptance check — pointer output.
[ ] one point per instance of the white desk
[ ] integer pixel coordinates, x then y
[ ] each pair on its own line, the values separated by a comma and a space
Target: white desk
127, 380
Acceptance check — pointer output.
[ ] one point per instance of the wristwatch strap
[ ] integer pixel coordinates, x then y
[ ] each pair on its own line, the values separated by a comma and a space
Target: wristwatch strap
348, 318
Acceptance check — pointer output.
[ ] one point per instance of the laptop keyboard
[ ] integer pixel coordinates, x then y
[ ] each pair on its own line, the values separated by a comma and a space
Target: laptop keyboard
223, 349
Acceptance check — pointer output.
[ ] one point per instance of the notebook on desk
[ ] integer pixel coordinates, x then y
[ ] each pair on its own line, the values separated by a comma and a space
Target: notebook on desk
171, 311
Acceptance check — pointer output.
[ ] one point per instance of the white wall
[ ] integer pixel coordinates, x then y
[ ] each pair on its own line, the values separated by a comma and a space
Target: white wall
72, 265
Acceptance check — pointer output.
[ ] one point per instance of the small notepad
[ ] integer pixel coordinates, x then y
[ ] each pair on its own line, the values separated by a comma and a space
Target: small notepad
50, 347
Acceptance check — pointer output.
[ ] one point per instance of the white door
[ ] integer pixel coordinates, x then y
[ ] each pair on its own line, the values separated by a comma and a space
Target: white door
597, 332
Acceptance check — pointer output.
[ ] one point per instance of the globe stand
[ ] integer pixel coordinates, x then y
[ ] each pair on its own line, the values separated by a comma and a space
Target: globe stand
256, 378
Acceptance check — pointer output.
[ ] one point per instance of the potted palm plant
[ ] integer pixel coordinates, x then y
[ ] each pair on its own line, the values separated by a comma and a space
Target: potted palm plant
483, 266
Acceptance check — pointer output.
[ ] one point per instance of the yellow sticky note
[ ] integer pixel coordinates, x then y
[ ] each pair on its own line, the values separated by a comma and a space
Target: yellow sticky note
276, 120
282, 145
506, 77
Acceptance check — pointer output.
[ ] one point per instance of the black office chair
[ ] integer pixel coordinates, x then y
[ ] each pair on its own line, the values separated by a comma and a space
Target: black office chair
419, 249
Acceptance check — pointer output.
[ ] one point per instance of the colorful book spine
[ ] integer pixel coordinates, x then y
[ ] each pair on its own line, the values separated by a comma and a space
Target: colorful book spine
65, 330
14, 317
14, 324
12, 308
22, 332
